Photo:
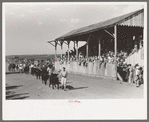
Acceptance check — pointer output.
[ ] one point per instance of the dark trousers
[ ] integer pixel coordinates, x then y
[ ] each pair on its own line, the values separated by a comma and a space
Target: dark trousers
49, 77
44, 78
37, 76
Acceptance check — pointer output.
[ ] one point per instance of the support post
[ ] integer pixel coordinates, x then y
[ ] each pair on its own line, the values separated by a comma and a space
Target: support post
99, 47
74, 45
68, 49
87, 46
87, 50
55, 51
77, 49
61, 49
115, 47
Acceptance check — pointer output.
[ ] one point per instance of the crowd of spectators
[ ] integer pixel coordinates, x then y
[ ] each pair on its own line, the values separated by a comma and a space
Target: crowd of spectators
129, 73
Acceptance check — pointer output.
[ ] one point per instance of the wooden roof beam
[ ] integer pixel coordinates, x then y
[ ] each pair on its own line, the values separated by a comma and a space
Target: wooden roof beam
109, 33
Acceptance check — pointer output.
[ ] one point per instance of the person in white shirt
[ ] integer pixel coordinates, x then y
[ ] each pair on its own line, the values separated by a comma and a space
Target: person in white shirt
24, 65
21, 67
30, 67
64, 75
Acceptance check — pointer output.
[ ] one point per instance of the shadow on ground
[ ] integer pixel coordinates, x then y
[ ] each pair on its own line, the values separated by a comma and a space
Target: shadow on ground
12, 73
12, 87
69, 82
72, 88
11, 94
16, 96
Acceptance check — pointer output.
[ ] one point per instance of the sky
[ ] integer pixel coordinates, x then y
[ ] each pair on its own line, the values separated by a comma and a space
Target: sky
28, 26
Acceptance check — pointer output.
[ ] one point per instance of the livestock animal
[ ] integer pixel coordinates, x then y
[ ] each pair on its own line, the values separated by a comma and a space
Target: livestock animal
44, 75
33, 70
54, 80
11, 67
37, 73
26, 69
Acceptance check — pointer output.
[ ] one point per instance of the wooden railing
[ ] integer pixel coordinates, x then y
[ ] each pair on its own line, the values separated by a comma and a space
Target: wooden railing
136, 57
94, 69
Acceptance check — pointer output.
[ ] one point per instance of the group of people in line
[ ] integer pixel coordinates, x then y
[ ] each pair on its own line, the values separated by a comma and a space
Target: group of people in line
46, 72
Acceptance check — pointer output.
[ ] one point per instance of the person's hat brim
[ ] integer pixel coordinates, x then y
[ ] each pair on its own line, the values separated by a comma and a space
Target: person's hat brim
137, 67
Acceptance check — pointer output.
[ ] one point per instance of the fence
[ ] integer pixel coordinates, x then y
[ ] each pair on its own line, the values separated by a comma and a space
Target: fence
137, 57
105, 70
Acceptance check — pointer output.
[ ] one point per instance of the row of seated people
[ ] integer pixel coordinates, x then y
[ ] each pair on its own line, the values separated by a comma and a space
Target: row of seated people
126, 71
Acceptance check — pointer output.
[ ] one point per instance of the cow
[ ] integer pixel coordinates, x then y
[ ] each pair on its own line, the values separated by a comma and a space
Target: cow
26, 69
44, 74
54, 80
37, 73
33, 69
13, 67
10, 67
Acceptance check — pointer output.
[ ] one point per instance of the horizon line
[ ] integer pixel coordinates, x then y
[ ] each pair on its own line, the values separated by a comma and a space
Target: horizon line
30, 54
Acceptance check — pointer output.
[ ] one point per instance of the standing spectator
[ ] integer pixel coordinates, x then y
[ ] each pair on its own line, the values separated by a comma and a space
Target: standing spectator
127, 72
141, 75
138, 75
134, 73
130, 79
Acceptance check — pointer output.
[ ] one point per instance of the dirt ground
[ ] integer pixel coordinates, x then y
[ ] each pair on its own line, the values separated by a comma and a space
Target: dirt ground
26, 86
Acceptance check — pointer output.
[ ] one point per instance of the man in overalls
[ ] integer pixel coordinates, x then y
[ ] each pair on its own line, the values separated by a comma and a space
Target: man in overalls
21, 67
64, 75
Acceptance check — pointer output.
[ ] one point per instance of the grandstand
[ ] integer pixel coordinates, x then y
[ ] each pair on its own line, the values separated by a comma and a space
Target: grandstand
123, 34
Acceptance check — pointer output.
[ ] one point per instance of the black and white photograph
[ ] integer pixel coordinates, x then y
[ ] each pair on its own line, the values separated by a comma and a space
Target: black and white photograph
63, 60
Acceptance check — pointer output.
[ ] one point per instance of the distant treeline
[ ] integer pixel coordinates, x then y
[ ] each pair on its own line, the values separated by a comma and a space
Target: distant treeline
43, 56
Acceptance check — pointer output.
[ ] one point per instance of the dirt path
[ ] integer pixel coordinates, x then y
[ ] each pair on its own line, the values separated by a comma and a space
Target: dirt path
22, 86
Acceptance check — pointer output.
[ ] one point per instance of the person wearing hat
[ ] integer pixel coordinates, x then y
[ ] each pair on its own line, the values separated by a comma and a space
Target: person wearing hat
137, 78
63, 75
21, 67
130, 79
59, 77
50, 70
134, 72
